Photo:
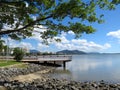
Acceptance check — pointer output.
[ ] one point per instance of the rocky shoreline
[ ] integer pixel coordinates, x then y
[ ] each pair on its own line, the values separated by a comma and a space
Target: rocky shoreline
55, 84
8, 73
46, 83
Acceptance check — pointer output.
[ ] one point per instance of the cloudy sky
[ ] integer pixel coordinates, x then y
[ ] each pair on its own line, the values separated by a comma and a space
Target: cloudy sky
105, 39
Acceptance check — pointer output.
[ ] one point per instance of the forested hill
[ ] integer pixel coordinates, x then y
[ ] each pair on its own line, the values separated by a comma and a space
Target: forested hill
70, 52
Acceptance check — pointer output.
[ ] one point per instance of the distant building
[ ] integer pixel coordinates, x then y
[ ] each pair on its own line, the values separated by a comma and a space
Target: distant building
25, 49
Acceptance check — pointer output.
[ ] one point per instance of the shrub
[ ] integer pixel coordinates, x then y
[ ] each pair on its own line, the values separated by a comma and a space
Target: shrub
18, 54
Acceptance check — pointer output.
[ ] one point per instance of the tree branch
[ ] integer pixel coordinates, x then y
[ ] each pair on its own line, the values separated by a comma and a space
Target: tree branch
9, 2
24, 27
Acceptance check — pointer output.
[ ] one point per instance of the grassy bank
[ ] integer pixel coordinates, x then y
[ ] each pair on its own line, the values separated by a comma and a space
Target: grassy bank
5, 63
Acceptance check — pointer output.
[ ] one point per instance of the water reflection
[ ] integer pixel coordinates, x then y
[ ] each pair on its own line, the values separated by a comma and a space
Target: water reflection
86, 65
62, 73
91, 68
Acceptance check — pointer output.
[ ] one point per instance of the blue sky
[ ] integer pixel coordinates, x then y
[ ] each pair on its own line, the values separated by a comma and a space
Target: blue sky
105, 39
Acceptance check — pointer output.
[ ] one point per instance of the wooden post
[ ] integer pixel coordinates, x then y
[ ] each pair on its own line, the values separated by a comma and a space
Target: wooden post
45, 62
54, 63
64, 64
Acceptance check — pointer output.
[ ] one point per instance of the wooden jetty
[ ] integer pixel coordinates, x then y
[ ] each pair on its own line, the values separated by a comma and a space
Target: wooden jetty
49, 59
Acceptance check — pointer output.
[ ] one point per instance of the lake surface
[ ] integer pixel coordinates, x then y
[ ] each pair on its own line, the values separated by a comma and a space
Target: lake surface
92, 67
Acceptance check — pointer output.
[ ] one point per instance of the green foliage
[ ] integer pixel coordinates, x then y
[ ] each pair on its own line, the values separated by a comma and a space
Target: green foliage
1, 46
5, 49
18, 14
18, 54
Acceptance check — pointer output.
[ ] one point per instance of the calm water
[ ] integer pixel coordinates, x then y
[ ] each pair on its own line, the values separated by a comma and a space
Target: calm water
91, 68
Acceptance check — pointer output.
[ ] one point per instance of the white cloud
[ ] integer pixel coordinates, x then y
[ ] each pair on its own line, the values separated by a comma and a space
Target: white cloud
83, 45
20, 44
13, 43
63, 34
63, 39
70, 44
10, 42
36, 36
79, 41
37, 33
71, 33
42, 46
107, 45
25, 45
115, 34
73, 44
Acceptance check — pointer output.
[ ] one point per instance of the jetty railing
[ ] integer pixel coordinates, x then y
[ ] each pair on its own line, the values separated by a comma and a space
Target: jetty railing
42, 57
55, 57
49, 57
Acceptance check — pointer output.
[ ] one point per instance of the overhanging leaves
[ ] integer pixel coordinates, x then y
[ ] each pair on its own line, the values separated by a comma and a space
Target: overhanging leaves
23, 15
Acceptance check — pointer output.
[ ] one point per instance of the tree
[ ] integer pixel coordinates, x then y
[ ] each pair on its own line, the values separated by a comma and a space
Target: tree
18, 16
18, 54
1, 46
5, 48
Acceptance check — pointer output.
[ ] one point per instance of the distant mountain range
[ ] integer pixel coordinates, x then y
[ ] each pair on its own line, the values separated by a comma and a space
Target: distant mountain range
75, 52
67, 52
70, 52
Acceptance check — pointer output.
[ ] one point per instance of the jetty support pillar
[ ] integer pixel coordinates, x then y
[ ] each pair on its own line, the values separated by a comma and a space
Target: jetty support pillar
64, 64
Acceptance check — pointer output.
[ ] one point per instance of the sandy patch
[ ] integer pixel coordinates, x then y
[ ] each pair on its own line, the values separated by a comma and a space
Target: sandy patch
2, 88
32, 76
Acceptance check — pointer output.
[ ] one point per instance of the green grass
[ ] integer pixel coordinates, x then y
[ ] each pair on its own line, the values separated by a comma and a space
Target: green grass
4, 63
